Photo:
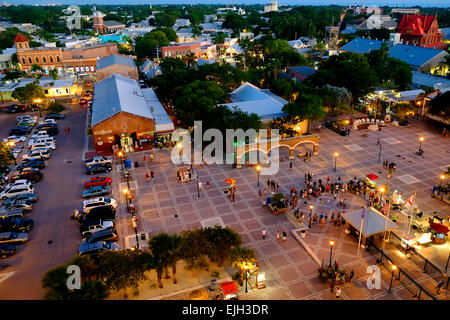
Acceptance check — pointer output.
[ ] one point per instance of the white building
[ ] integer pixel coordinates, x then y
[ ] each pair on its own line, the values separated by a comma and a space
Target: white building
269, 7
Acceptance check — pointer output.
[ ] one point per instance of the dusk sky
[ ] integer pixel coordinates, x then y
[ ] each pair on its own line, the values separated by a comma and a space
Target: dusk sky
426, 3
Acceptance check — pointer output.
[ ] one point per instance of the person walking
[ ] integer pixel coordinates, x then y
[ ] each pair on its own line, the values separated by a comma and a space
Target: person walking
338, 293
438, 287
290, 165
278, 235
284, 235
68, 130
207, 185
147, 176
352, 274
264, 232
152, 174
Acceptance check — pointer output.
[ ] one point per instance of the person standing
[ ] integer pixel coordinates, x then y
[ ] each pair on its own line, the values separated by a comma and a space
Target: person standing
264, 232
290, 165
284, 235
152, 174
352, 274
338, 293
207, 185
68, 130
278, 235
438, 287
147, 176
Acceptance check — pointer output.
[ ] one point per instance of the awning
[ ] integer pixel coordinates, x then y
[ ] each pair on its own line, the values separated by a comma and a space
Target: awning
229, 288
439, 228
372, 176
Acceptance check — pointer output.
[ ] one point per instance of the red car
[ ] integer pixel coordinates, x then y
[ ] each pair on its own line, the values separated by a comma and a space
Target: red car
83, 101
97, 181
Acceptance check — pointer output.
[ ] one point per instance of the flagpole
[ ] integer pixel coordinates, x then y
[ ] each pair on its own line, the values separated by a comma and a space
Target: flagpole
387, 219
360, 231
412, 212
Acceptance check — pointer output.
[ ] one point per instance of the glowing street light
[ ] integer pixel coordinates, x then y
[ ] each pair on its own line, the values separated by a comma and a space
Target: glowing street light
331, 251
258, 169
311, 207
394, 267
381, 193
420, 145
440, 184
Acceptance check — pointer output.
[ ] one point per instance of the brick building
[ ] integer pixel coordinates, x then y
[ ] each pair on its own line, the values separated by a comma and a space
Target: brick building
62, 59
420, 30
116, 64
181, 50
108, 26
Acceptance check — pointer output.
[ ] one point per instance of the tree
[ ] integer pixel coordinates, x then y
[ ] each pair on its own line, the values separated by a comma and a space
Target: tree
171, 34
29, 93
163, 19
282, 87
146, 46
36, 69
175, 253
54, 106
159, 246
194, 250
55, 283
305, 107
221, 242
53, 73
337, 98
403, 109
190, 58
5, 154
243, 258
440, 106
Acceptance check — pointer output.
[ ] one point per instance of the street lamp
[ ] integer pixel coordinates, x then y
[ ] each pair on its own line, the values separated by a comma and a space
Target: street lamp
394, 267
258, 169
335, 160
331, 251
10, 145
310, 214
440, 184
420, 145
381, 194
125, 192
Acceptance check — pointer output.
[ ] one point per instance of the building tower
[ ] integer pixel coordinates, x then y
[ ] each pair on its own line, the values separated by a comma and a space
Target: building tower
331, 37
21, 42
97, 19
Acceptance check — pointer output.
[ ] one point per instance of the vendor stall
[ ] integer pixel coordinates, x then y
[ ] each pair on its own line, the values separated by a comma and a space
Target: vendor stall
370, 179
438, 233
229, 290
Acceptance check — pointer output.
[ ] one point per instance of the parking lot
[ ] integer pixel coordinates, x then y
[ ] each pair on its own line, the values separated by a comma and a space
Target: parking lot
55, 237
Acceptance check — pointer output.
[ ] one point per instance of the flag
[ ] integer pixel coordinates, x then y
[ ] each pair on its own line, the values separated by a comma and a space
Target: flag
411, 199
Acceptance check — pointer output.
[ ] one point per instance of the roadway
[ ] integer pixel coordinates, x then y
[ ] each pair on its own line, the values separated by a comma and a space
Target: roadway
54, 239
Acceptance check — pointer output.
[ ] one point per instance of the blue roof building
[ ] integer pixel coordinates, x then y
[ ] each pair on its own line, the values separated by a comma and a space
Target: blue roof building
420, 80
419, 58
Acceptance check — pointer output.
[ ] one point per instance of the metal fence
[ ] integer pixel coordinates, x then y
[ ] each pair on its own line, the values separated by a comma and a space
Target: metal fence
416, 290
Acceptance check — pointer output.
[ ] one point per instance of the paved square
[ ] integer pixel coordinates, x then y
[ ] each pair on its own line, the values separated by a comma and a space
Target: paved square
291, 272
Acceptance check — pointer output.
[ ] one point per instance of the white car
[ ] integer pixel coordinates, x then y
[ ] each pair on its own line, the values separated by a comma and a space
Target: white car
41, 140
48, 145
20, 182
26, 117
37, 154
15, 191
15, 139
40, 134
98, 202
97, 160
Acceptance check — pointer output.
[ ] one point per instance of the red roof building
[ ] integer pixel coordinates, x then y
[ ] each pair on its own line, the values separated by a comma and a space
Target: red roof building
420, 30
21, 42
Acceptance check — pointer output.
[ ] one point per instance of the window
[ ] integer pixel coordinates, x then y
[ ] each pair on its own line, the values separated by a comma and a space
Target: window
29, 60
46, 91
67, 90
37, 59
44, 60
57, 58
23, 60
51, 59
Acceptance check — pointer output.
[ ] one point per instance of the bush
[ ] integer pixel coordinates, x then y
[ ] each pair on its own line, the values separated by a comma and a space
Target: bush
237, 277
54, 106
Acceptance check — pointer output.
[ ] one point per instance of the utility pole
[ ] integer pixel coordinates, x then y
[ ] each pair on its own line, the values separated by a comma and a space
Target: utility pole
157, 52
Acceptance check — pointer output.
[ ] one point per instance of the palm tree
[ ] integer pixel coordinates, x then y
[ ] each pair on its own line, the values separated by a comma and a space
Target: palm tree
87, 266
222, 241
194, 250
243, 258
190, 58
55, 283
175, 255
53, 73
35, 68
160, 248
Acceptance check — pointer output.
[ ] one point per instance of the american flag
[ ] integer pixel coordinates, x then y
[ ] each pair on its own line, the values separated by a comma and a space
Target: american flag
411, 199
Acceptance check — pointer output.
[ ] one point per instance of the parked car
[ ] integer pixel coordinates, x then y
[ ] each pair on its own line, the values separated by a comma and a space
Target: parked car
97, 181
94, 249
104, 213
31, 163
83, 101
108, 235
98, 168
16, 225
48, 145
13, 237
50, 121
51, 130
20, 182
7, 250
36, 154
97, 160
54, 115
87, 205
26, 117
26, 205
47, 139
20, 131
4, 169
10, 214
96, 192
15, 139
26, 196
39, 134
33, 175
91, 226
14, 191
18, 108
26, 123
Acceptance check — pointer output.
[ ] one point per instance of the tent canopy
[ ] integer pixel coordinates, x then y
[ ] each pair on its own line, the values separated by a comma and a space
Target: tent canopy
229, 288
372, 176
374, 222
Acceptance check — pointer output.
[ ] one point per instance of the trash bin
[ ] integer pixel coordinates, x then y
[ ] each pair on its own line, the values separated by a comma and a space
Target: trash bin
136, 164
128, 163
303, 234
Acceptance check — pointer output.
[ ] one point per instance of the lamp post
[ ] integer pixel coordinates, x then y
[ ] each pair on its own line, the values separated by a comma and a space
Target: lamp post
120, 155
440, 184
381, 194
394, 267
10, 145
310, 214
335, 160
331, 251
379, 152
125, 192
198, 188
246, 278
420, 145
258, 169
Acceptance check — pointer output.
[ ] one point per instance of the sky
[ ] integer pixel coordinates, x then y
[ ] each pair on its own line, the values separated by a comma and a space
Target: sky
401, 3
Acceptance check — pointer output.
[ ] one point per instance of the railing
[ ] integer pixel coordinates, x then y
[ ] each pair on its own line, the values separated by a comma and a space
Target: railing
409, 283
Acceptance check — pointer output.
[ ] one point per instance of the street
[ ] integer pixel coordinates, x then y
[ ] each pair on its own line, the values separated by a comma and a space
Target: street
54, 239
